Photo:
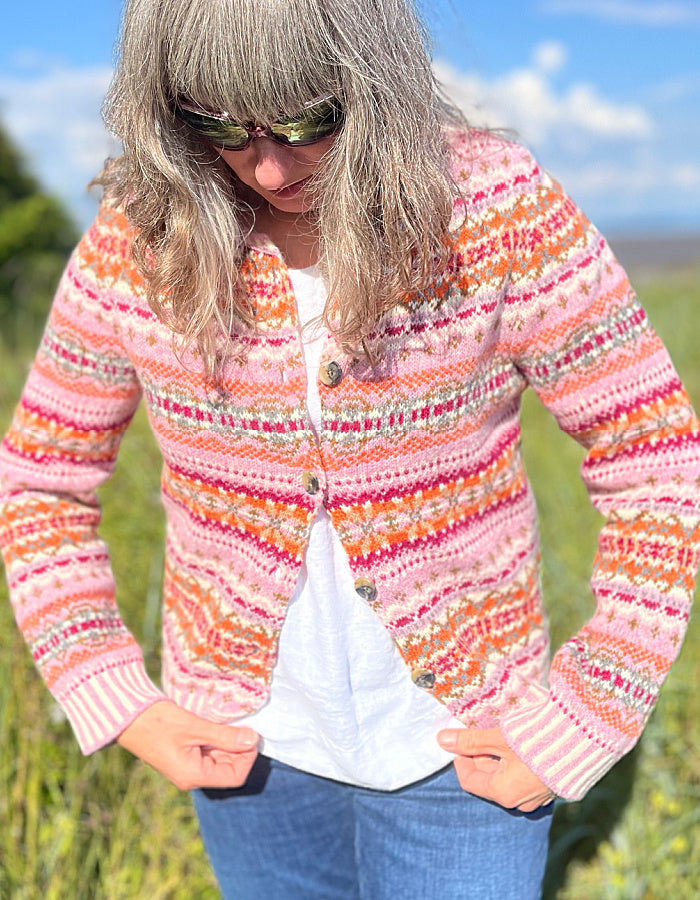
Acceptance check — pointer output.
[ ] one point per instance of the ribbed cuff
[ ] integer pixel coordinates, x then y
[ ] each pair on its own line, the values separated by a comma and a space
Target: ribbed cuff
557, 745
105, 702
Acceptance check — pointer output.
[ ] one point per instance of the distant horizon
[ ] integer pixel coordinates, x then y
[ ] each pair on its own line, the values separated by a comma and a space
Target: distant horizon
669, 231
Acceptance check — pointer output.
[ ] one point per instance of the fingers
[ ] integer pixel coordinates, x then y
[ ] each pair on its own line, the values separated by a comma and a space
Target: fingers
190, 751
190, 764
511, 784
214, 769
487, 767
473, 779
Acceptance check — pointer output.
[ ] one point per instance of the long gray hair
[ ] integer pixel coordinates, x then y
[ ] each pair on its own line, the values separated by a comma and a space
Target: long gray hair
384, 194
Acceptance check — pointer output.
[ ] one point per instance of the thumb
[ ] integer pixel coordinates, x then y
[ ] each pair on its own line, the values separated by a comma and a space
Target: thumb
472, 741
225, 737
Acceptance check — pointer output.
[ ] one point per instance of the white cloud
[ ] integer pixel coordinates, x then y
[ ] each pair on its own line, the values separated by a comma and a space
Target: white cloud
52, 112
583, 107
635, 190
611, 178
632, 12
675, 90
685, 176
526, 100
626, 167
550, 57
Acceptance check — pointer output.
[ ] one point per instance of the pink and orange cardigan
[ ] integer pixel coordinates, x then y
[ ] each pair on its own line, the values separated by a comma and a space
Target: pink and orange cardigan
418, 465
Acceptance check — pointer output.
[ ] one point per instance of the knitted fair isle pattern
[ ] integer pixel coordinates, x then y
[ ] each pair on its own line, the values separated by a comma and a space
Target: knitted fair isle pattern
418, 464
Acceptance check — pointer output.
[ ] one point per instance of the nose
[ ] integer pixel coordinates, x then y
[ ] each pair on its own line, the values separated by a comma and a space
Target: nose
272, 164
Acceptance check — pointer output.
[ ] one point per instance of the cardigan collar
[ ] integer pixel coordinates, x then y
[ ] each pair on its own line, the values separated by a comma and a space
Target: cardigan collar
262, 243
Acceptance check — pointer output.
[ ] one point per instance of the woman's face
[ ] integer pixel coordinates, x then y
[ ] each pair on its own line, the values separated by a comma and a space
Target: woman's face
277, 173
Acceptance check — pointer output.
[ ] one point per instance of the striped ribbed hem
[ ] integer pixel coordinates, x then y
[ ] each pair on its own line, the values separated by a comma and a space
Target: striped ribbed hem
558, 746
102, 705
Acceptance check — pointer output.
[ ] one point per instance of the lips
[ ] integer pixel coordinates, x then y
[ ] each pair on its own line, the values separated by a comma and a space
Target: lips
291, 190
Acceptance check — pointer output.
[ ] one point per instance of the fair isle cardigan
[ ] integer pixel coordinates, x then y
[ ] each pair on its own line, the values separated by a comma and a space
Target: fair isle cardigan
418, 465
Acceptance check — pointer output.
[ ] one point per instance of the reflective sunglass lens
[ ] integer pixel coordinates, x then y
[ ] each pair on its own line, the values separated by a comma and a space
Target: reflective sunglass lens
216, 130
316, 123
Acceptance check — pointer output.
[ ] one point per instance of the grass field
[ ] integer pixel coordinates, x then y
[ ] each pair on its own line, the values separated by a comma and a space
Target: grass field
109, 828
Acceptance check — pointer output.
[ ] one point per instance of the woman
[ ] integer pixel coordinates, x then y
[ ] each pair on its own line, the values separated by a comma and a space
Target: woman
331, 294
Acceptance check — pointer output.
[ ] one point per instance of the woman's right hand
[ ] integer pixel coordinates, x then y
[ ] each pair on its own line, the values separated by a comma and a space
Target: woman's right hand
192, 752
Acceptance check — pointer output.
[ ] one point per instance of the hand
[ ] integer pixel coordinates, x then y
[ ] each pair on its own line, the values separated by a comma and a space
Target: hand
487, 767
189, 750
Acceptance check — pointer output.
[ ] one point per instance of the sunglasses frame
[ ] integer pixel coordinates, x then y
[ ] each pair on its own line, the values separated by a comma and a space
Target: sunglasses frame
205, 125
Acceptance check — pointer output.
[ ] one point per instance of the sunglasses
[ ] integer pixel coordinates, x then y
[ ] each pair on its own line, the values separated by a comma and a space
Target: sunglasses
319, 119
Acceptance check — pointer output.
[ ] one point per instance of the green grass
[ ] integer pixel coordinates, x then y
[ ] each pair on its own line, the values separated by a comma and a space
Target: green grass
109, 828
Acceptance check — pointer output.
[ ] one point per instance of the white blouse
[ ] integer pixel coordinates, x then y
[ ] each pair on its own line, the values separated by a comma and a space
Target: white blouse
342, 703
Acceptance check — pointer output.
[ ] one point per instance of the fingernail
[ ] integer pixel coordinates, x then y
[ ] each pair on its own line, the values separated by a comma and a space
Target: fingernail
249, 740
447, 740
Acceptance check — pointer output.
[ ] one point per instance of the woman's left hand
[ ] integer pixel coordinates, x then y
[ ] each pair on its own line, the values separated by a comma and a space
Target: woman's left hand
487, 767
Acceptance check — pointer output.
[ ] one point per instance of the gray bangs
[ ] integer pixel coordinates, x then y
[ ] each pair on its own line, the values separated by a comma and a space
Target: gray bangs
252, 59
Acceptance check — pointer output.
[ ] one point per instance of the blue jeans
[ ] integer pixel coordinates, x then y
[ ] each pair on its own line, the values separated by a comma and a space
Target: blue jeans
287, 835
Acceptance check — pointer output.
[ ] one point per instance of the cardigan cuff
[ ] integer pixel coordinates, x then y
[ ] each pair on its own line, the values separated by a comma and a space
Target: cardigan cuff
102, 705
557, 745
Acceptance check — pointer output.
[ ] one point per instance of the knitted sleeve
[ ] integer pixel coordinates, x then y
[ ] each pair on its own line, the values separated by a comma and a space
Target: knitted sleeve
583, 342
79, 398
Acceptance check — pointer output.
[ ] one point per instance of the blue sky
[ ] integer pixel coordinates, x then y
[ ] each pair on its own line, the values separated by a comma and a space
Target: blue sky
606, 92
